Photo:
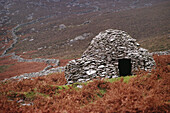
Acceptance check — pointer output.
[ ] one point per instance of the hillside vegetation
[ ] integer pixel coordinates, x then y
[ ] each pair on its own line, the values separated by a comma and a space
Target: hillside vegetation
157, 43
146, 92
63, 29
149, 23
10, 67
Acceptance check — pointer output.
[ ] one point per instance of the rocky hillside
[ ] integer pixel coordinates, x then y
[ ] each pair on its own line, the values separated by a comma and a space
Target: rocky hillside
16, 11
39, 37
56, 28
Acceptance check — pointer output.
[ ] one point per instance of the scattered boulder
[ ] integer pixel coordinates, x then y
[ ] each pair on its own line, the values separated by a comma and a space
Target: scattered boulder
80, 37
104, 56
31, 40
86, 22
62, 26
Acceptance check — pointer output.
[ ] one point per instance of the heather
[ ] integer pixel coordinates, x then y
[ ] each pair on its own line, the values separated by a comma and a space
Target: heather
145, 92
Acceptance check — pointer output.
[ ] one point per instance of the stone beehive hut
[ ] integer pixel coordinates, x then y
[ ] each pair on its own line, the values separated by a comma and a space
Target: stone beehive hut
111, 53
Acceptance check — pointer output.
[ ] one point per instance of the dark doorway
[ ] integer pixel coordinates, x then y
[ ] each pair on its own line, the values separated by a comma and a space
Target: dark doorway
125, 67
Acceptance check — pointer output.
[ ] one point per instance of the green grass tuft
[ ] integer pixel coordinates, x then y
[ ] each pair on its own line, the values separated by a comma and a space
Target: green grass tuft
3, 68
30, 95
125, 79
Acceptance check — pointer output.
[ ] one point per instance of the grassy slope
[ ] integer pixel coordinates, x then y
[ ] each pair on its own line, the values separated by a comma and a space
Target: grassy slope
146, 92
143, 24
10, 67
158, 43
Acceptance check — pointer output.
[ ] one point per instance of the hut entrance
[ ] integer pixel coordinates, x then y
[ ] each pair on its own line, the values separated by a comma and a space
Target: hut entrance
125, 67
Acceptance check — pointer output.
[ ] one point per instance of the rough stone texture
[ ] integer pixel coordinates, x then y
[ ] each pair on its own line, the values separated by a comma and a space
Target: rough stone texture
62, 26
36, 74
15, 40
80, 37
101, 57
48, 61
161, 52
47, 70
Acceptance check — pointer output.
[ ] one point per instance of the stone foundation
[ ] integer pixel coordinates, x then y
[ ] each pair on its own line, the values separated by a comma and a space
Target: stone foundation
102, 56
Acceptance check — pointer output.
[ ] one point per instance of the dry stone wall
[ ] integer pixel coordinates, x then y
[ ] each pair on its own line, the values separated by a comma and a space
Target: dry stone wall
101, 59
15, 40
46, 71
37, 74
48, 61
161, 52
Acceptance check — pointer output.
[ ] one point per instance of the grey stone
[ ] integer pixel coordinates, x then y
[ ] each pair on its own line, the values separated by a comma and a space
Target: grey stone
102, 75
62, 26
79, 86
101, 66
114, 76
81, 80
90, 72
161, 53
104, 53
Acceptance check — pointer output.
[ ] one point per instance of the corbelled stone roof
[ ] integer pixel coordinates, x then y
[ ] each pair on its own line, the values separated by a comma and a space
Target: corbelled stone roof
101, 57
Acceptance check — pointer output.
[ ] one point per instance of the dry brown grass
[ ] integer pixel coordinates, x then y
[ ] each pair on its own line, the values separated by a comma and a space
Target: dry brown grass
147, 92
14, 68
159, 43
